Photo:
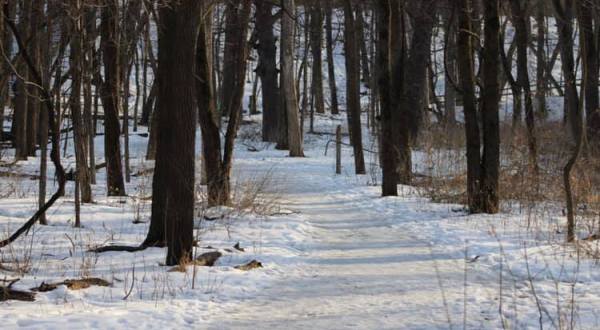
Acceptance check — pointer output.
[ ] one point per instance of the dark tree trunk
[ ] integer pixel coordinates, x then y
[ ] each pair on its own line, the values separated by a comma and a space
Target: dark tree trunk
362, 43
33, 96
590, 79
490, 97
424, 15
467, 84
573, 108
402, 120
353, 87
520, 19
218, 169
90, 35
450, 59
330, 59
289, 97
267, 69
541, 84
389, 154
80, 135
110, 98
21, 108
217, 183
229, 53
173, 184
316, 41
148, 105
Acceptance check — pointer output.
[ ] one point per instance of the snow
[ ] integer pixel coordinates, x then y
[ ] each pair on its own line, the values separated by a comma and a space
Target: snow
335, 254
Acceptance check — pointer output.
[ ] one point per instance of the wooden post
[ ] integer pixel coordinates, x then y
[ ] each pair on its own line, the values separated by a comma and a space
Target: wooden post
77, 201
338, 150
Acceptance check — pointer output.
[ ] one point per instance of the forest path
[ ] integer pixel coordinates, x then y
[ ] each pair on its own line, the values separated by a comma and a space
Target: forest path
362, 266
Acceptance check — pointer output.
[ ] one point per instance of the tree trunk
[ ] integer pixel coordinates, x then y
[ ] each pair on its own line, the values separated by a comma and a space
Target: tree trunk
541, 85
316, 40
267, 70
490, 97
33, 96
80, 137
418, 59
217, 182
20, 116
467, 83
450, 59
590, 79
389, 154
362, 43
353, 87
229, 53
573, 109
173, 184
110, 98
520, 18
330, 59
289, 99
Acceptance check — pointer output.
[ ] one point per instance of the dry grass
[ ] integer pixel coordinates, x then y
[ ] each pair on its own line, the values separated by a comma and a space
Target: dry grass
444, 177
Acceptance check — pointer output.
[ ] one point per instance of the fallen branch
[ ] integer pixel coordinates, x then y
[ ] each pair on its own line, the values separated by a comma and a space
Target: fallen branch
77, 284
118, 248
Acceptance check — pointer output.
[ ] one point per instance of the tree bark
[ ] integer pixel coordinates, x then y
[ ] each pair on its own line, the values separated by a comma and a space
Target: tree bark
520, 19
80, 135
590, 79
541, 84
490, 97
33, 97
110, 98
267, 70
389, 154
573, 108
173, 184
289, 98
450, 59
467, 83
316, 41
330, 59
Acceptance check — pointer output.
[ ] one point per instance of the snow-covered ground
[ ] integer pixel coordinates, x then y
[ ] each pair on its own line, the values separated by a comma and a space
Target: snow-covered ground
335, 256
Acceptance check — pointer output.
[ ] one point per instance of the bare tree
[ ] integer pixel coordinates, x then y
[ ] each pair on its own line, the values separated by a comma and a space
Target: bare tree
289, 98
110, 97
173, 184
353, 86
267, 69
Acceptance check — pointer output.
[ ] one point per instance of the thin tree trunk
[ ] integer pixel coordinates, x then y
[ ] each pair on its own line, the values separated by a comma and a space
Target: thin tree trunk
389, 154
353, 87
362, 43
541, 59
330, 59
467, 83
490, 97
520, 20
33, 103
316, 40
288, 96
450, 65
110, 98
80, 137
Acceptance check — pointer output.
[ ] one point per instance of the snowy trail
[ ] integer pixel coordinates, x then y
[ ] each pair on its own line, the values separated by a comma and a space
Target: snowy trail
364, 266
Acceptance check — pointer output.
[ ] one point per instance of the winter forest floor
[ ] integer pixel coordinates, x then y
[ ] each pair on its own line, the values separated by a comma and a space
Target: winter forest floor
335, 255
